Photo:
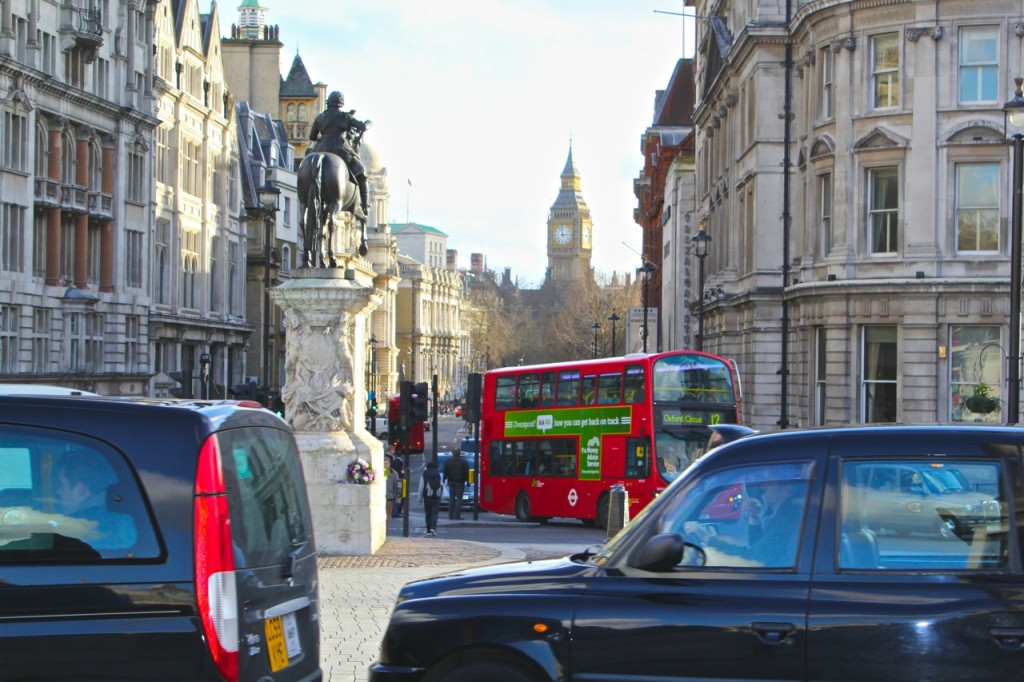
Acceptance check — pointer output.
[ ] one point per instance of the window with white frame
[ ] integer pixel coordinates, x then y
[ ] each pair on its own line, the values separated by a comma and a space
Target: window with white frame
85, 342
133, 245
67, 249
131, 343
163, 262
48, 45
883, 211
827, 62
101, 77
885, 71
41, 333
825, 211
12, 237
286, 216
94, 255
137, 181
979, 64
975, 362
820, 364
39, 245
879, 374
977, 207
216, 276
163, 155
8, 339
15, 141
189, 268
233, 270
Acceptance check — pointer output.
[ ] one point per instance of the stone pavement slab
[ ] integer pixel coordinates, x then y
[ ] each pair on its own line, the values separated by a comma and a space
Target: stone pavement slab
357, 593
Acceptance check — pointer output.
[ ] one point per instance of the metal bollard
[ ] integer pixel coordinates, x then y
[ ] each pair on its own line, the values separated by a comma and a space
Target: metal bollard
618, 509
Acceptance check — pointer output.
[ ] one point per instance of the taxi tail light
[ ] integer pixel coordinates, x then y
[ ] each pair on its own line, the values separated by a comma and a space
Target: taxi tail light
216, 591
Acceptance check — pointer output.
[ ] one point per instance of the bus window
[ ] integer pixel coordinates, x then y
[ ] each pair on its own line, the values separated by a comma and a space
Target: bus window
635, 388
529, 391
568, 389
547, 389
693, 378
638, 460
589, 388
505, 393
609, 389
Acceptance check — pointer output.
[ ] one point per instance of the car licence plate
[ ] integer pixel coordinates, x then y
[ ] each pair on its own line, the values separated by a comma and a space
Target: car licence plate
282, 640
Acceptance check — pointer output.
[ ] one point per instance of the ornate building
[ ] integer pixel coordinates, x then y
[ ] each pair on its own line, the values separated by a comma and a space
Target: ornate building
198, 331
853, 172
301, 101
570, 232
76, 246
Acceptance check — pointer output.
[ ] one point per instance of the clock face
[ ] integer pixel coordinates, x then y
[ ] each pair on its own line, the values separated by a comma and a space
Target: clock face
563, 235
586, 236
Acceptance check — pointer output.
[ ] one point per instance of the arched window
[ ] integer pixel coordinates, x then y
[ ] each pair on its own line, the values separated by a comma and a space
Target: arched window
67, 159
42, 151
291, 112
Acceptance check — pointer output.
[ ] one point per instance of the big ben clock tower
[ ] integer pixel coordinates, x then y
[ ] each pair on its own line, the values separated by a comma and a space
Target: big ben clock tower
570, 231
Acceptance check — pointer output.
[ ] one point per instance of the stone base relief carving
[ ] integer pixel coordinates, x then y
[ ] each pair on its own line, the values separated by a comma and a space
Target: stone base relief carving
324, 315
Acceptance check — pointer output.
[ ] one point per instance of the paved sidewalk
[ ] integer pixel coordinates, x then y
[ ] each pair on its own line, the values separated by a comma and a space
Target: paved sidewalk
357, 593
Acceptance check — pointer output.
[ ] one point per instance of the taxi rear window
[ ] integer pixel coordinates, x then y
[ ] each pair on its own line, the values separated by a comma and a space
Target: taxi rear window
66, 498
266, 494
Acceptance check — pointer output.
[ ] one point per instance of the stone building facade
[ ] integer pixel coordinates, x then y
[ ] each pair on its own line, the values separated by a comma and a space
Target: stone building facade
199, 234
853, 172
77, 124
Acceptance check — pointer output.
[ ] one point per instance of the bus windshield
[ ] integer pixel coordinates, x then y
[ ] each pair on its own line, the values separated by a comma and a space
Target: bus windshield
693, 378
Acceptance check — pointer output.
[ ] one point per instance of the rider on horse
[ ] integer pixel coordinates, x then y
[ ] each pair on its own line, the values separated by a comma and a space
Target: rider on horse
332, 130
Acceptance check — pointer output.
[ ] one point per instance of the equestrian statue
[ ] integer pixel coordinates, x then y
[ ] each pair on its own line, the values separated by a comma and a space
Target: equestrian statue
332, 179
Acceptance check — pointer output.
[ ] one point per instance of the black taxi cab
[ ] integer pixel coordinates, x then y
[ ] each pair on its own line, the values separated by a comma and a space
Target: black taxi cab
809, 579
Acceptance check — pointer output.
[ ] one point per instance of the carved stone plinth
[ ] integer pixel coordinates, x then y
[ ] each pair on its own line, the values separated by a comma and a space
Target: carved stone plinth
325, 318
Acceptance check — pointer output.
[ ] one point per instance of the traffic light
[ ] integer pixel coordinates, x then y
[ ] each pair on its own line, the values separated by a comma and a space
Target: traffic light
406, 417
472, 413
421, 402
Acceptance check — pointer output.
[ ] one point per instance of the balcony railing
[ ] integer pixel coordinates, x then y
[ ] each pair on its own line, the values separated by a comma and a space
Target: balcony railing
74, 198
101, 205
47, 192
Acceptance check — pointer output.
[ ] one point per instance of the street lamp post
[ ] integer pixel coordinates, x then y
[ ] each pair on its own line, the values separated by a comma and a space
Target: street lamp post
596, 327
645, 272
701, 241
1014, 111
371, 369
269, 197
613, 318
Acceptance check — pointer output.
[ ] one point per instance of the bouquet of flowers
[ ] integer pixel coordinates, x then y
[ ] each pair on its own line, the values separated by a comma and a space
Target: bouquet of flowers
360, 471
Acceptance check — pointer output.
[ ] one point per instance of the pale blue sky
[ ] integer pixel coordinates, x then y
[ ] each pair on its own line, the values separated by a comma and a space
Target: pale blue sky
475, 102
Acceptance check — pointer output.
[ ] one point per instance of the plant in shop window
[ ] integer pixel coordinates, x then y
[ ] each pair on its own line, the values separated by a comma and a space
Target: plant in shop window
981, 401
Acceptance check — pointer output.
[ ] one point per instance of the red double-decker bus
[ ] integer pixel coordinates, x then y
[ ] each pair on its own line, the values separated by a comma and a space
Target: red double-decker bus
556, 437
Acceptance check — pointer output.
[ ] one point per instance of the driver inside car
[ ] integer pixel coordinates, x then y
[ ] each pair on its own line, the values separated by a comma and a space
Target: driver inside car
766, 534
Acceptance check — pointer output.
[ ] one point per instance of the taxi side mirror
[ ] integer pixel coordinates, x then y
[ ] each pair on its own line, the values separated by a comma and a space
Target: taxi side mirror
659, 554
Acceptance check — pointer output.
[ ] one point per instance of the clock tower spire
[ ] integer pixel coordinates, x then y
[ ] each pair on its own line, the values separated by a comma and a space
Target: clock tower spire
569, 230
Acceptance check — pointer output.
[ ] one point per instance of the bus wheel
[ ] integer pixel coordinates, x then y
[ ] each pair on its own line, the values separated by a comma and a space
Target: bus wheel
602, 510
523, 508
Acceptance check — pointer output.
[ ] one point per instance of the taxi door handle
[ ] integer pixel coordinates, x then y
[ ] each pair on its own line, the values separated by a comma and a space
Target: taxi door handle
774, 633
1011, 639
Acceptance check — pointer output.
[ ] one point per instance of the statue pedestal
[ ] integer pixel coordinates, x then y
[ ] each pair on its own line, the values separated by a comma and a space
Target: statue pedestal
325, 316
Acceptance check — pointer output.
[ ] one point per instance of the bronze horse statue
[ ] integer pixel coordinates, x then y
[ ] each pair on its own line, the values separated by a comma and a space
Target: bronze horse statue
326, 187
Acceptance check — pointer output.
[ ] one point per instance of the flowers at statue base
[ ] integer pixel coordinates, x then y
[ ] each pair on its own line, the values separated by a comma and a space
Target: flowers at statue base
360, 471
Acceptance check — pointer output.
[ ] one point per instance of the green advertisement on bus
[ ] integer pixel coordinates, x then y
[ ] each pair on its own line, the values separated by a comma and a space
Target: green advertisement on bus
588, 423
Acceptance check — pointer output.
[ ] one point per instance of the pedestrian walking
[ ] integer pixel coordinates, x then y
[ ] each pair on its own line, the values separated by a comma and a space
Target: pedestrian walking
398, 464
392, 488
430, 494
456, 473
